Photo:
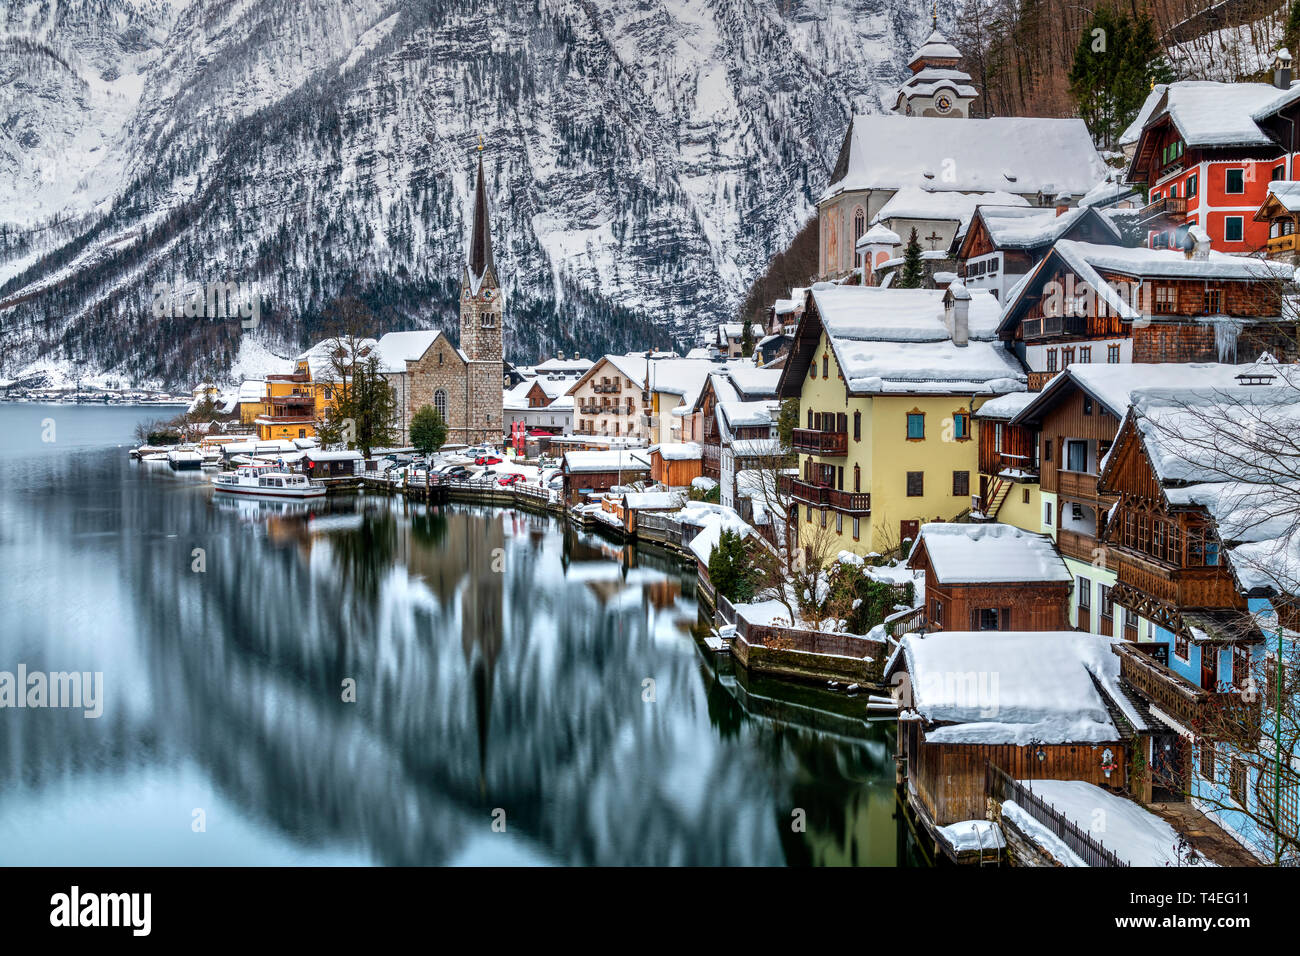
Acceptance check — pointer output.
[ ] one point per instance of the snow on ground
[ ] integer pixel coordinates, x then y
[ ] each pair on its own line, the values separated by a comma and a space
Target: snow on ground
1040, 834
973, 835
1131, 832
256, 361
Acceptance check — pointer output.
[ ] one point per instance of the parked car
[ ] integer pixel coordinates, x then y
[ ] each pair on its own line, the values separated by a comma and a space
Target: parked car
456, 473
556, 484
487, 460
507, 480
488, 475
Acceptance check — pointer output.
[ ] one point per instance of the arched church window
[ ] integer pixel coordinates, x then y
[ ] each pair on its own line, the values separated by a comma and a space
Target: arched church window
859, 227
440, 403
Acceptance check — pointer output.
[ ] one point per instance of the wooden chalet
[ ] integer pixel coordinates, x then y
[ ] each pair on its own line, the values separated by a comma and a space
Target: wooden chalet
591, 472
1041, 705
676, 465
1089, 303
991, 577
1002, 244
1281, 210
1166, 542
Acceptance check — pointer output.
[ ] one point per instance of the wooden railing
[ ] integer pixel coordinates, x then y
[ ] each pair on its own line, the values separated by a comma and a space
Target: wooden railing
809, 642
1001, 787
1179, 587
850, 502
1039, 379
810, 441
1215, 714
1075, 545
1283, 243
1074, 484
905, 622
1168, 206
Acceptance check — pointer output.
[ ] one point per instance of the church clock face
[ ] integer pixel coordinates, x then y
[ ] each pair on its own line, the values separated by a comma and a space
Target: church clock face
943, 103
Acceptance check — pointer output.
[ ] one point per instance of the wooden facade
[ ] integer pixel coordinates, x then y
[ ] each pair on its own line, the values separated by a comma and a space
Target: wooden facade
1167, 559
674, 472
948, 780
991, 606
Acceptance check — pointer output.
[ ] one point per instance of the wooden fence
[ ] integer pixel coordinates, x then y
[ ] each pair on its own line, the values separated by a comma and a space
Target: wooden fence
1000, 786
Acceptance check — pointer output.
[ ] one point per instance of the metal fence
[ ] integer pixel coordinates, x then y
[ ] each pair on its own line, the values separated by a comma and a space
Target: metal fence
1000, 786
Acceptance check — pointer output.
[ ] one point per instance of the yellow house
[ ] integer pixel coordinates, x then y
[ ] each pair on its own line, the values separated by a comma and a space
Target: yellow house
888, 381
294, 403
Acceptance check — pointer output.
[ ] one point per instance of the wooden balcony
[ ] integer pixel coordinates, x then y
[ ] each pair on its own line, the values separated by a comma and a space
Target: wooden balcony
810, 441
1037, 380
821, 496
1076, 485
1210, 587
1072, 544
1168, 206
1207, 713
1282, 244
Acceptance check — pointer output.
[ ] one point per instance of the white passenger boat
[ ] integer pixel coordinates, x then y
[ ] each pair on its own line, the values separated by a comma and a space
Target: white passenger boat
263, 482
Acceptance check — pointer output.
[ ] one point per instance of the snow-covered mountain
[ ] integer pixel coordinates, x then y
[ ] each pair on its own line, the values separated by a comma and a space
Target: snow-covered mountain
646, 157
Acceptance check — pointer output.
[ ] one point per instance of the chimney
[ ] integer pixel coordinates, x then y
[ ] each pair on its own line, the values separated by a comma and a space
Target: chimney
1062, 203
1198, 243
957, 306
560, 356
1282, 69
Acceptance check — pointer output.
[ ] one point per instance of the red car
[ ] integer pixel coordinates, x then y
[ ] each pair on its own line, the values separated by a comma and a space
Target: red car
487, 460
505, 480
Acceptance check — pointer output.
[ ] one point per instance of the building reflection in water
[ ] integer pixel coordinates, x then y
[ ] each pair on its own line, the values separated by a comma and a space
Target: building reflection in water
499, 657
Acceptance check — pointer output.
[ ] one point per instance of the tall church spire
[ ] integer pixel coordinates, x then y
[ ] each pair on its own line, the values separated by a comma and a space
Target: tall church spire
480, 240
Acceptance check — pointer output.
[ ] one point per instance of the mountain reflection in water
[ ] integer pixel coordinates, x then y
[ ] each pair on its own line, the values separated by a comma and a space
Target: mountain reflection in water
501, 663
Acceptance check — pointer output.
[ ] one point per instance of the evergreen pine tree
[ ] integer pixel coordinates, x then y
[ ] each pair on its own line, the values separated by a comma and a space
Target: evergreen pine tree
1116, 63
746, 338
1291, 35
428, 430
729, 568
913, 273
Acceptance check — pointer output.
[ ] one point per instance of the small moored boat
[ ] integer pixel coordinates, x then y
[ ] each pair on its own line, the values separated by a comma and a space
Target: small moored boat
262, 482
185, 459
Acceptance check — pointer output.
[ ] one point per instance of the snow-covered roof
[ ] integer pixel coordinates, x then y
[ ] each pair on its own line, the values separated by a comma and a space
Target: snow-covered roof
990, 553
783, 307
1088, 260
916, 202
1015, 154
1005, 407
395, 349
1114, 385
1010, 231
879, 234
1209, 113
1228, 449
900, 315
748, 414
679, 451
935, 47
317, 455
653, 500
1037, 686
1287, 193
575, 365
897, 341
752, 381
320, 361
1134, 130
252, 390
600, 461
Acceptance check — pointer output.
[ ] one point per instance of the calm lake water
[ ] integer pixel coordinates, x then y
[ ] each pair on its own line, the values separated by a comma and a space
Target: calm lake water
501, 666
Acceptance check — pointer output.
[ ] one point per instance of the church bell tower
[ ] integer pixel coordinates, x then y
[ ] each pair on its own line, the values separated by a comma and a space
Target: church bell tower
480, 325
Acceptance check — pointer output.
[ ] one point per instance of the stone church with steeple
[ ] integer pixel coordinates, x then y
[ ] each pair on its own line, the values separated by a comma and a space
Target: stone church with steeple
463, 384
